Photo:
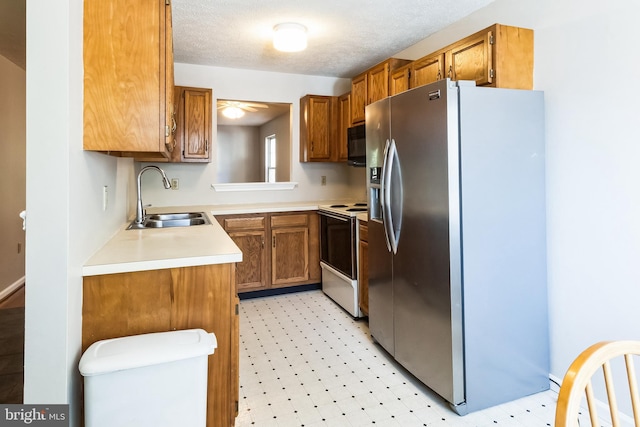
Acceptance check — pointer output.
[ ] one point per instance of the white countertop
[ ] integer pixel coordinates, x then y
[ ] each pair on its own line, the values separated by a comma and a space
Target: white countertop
155, 249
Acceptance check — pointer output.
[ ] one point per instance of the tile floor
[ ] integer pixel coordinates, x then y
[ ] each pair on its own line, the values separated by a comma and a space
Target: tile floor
305, 362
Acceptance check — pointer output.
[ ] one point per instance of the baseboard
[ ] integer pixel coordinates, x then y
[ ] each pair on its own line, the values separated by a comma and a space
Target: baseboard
279, 291
11, 288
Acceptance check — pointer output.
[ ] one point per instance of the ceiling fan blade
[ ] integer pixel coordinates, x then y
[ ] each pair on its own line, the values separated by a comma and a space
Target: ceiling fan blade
255, 104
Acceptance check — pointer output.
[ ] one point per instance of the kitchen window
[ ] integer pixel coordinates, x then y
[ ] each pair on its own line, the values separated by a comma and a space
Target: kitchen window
270, 158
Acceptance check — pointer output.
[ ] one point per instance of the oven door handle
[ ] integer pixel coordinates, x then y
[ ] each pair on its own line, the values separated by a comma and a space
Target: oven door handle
334, 216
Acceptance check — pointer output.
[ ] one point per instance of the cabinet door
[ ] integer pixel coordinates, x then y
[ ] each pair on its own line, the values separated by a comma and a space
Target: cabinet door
471, 59
251, 272
378, 83
319, 128
249, 233
196, 131
344, 109
399, 81
358, 98
427, 70
125, 77
170, 125
289, 255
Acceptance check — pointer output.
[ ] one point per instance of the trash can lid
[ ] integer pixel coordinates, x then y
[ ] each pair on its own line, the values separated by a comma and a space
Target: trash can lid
136, 351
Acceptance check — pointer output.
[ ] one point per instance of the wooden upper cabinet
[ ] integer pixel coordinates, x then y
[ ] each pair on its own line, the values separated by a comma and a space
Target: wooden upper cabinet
193, 135
358, 98
498, 56
378, 83
128, 79
318, 128
344, 122
427, 70
371, 86
399, 80
472, 59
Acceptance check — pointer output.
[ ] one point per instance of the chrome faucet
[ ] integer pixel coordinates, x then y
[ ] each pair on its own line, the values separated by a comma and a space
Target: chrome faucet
140, 212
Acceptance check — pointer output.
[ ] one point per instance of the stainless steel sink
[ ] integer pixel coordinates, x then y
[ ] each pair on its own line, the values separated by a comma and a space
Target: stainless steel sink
167, 220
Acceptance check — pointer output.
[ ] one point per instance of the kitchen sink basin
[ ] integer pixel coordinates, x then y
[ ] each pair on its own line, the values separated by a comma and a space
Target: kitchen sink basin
175, 216
168, 220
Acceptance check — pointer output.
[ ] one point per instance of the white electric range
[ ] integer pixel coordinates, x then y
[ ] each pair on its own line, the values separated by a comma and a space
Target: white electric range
339, 253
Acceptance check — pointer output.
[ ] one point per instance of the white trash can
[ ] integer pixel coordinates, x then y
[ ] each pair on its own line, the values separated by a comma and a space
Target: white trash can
157, 379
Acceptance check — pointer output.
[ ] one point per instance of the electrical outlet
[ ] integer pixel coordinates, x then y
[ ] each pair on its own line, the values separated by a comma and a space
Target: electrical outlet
175, 183
324, 180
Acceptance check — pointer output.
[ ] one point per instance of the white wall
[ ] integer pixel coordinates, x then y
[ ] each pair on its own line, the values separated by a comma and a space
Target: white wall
12, 173
281, 128
239, 154
587, 65
229, 83
66, 223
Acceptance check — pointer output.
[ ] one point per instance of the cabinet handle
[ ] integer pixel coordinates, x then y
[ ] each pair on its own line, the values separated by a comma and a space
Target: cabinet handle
263, 243
439, 74
175, 124
273, 239
450, 71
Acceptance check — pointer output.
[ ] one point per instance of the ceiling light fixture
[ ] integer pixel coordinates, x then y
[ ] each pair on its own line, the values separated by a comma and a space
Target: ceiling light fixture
232, 112
290, 37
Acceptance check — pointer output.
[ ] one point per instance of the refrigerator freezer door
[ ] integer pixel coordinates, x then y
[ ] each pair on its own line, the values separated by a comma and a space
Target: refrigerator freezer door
427, 306
380, 259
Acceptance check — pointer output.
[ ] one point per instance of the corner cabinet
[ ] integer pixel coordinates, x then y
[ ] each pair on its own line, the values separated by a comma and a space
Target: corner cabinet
278, 249
318, 128
123, 304
128, 78
193, 125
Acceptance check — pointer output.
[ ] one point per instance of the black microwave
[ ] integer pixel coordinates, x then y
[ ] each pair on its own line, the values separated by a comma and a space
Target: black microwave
356, 146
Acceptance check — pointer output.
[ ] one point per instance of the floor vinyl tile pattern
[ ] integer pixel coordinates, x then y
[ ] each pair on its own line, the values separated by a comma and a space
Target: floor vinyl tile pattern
305, 362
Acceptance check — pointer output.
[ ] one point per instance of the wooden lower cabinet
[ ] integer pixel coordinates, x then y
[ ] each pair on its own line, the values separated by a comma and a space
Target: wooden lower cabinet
278, 249
125, 304
363, 267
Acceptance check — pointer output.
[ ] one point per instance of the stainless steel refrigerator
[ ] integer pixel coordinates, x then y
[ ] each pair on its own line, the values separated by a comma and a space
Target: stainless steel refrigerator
457, 252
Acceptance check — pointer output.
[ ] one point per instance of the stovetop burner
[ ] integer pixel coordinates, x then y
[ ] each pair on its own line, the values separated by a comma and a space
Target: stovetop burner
346, 208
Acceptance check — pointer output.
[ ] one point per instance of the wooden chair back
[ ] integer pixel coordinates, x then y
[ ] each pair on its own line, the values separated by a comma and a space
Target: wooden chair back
577, 383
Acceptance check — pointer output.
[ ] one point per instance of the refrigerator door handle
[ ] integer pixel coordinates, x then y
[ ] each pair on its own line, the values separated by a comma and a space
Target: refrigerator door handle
390, 226
385, 197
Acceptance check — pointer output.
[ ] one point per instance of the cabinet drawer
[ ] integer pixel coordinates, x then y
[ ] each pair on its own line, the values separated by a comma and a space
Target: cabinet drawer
248, 223
289, 220
364, 232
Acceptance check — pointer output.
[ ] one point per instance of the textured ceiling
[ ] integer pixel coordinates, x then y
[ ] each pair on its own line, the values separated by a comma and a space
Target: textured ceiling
345, 36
